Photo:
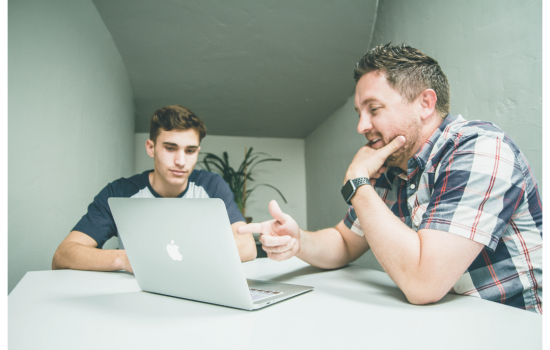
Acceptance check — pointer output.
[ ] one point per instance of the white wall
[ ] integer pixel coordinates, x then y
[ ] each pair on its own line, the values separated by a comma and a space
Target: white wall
491, 52
70, 126
288, 175
329, 151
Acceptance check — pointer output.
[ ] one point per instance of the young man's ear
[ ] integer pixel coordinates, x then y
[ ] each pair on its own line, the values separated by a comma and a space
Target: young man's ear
150, 148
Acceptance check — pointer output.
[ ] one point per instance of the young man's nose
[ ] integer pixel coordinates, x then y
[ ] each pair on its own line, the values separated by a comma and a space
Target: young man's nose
180, 158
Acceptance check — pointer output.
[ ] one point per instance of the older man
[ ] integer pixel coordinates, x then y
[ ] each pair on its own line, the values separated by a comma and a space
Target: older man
445, 204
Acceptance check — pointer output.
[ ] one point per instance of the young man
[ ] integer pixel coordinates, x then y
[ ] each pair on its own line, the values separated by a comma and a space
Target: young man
174, 144
445, 204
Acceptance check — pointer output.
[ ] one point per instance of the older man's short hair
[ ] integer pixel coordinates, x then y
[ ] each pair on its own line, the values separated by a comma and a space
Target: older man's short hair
408, 71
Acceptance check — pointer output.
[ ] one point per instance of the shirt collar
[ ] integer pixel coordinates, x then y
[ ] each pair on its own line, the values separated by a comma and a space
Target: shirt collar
423, 155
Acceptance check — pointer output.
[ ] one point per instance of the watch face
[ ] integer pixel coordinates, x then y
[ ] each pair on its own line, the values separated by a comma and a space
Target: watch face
347, 190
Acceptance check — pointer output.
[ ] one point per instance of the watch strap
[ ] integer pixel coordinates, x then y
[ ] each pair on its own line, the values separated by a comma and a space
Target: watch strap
351, 186
360, 181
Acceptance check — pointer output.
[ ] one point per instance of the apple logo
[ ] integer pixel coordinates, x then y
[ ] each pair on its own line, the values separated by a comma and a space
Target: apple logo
173, 251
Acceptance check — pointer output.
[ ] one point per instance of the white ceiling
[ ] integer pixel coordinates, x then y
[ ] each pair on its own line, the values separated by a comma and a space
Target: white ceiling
265, 68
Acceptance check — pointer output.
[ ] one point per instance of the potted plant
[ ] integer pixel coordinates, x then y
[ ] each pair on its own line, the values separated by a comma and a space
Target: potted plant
237, 179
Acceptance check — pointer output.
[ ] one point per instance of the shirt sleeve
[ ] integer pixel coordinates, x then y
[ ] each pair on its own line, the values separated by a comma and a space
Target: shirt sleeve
98, 222
222, 191
352, 222
478, 186
381, 187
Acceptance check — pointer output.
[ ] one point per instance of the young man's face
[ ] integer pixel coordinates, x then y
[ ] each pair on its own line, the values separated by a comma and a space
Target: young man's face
384, 115
175, 153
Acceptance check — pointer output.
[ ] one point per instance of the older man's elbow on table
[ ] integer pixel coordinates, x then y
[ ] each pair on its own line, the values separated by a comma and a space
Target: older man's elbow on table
426, 282
423, 296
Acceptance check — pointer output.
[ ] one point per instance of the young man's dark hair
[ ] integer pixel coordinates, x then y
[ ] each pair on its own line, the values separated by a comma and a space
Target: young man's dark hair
408, 71
175, 117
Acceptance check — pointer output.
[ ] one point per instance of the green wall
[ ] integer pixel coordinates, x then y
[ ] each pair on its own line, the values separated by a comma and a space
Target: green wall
70, 124
491, 52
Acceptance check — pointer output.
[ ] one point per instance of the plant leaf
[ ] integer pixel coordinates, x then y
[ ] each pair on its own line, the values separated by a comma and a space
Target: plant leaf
218, 166
273, 187
211, 155
246, 162
262, 153
236, 179
265, 160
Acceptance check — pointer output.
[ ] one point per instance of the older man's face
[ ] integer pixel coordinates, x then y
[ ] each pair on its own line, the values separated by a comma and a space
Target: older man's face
384, 115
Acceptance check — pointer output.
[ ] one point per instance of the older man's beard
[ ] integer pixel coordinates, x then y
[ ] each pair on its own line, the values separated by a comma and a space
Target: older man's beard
407, 151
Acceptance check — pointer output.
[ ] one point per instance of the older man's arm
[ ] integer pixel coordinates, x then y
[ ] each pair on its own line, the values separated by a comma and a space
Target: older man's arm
329, 248
424, 264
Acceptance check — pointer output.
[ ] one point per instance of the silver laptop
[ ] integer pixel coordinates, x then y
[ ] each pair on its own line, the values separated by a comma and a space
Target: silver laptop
185, 248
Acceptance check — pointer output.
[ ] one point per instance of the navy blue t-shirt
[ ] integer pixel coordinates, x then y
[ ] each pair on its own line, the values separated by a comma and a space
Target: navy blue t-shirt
99, 224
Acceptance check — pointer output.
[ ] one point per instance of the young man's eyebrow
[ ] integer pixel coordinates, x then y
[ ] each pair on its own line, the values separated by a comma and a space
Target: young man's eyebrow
176, 145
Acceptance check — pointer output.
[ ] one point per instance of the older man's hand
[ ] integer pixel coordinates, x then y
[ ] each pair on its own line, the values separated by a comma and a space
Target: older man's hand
369, 162
280, 237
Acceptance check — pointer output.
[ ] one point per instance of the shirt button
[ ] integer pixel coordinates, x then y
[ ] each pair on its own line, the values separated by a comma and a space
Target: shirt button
413, 186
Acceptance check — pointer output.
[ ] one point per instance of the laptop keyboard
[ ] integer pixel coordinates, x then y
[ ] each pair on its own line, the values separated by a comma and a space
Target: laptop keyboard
258, 294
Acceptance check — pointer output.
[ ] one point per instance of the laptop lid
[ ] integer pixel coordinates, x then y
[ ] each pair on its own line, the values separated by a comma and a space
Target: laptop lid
182, 247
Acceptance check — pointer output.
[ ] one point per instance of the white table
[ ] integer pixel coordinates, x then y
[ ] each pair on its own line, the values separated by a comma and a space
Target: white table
353, 307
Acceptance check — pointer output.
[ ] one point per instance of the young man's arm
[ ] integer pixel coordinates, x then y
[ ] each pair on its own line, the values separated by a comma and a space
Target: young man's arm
245, 243
78, 251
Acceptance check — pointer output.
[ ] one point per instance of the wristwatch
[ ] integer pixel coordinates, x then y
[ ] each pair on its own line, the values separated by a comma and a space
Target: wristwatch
349, 189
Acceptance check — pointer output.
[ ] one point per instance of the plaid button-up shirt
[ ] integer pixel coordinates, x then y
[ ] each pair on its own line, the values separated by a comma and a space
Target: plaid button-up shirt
472, 180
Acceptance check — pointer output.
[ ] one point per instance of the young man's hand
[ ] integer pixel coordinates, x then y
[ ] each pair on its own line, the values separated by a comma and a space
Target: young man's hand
369, 162
123, 262
280, 237
79, 251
